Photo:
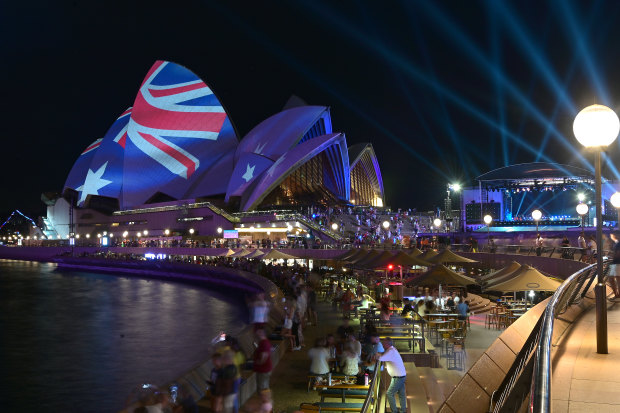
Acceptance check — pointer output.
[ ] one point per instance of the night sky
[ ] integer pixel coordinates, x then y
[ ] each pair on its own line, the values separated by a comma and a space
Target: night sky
445, 91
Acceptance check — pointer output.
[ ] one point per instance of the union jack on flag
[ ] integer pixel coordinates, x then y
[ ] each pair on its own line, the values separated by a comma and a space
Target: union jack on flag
173, 114
92, 146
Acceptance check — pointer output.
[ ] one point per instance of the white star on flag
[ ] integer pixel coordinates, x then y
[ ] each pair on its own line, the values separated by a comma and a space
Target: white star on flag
249, 173
93, 183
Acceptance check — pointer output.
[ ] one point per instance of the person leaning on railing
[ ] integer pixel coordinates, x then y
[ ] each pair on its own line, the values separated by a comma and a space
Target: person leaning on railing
396, 369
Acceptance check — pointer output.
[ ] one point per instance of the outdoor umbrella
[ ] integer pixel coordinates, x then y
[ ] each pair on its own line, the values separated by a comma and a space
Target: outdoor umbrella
241, 253
531, 279
427, 255
277, 255
357, 254
510, 268
415, 252
403, 259
226, 253
255, 254
508, 276
348, 254
378, 261
361, 262
440, 274
447, 256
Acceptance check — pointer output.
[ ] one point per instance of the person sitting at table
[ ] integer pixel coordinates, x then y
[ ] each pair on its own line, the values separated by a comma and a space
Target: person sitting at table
407, 308
385, 308
331, 345
565, 245
450, 303
345, 330
371, 347
319, 356
354, 343
463, 310
349, 361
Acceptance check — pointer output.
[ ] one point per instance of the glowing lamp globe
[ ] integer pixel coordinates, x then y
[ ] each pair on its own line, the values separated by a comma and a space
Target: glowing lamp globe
334, 226
596, 126
615, 200
191, 231
536, 214
386, 224
582, 209
437, 222
456, 187
488, 219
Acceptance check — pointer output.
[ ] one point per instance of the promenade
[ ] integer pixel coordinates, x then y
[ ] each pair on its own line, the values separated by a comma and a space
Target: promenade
427, 387
583, 380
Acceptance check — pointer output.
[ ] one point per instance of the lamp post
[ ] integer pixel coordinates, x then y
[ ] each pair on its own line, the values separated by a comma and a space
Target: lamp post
537, 215
457, 188
582, 210
487, 220
615, 201
596, 127
437, 223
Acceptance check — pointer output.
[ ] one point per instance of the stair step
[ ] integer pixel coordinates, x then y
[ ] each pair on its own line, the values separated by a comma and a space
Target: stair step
438, 384
417, 400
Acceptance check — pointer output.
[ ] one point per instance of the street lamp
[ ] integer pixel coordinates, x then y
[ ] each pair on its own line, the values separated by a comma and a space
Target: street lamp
581, 197
457, 188
167, 232
615, 201
191, 231
596, 127
386, 224
145, 232
582, 210
334, 227
437, 223
487, 220
537, 215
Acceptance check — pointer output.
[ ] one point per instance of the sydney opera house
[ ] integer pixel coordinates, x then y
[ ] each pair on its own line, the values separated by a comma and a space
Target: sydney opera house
174, 162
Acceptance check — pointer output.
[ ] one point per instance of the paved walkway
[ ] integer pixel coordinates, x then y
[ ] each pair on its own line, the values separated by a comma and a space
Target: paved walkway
583, 380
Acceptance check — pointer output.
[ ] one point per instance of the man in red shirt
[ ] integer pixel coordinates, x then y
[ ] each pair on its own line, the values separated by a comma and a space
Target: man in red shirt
262, 361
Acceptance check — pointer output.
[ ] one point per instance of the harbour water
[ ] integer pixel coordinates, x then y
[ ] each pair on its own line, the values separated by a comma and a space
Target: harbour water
80, 342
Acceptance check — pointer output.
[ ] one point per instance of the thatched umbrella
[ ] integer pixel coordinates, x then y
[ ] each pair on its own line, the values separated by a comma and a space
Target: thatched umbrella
447, 256
440, 274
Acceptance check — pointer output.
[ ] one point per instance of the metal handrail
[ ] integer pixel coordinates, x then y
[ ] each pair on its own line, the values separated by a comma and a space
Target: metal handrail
372, 398
533, 363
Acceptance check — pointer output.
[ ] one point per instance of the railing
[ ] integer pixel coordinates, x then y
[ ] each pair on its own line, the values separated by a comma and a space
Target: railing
371, 404
530, 373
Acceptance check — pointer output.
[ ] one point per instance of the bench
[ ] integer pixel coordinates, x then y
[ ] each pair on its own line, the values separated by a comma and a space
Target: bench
409, 339
342, 394
331, 407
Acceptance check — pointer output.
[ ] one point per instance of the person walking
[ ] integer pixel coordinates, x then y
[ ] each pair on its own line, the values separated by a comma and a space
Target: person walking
539, 245
614, 270
396, 369
262, 361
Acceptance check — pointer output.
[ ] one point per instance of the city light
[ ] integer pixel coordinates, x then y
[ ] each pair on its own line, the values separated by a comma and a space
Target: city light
145, 232
125, 234
191, 231
437, 222
386, 224
581, 197
455, 187
219, 230
488, 219
596, 126
536, 215
87, 235
334, 226
167, 232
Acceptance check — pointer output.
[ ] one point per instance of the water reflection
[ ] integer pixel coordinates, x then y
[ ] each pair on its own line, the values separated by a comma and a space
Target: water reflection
78, 341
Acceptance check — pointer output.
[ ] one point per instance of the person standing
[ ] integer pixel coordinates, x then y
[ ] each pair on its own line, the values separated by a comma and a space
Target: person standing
262, 361
614, 270
539, 245
396, 369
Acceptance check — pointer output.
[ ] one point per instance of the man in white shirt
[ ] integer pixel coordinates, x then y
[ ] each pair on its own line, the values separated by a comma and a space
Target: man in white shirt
395, 368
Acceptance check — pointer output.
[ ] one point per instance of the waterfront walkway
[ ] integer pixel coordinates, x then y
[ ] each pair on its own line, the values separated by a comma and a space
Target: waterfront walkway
583, 380
427, 387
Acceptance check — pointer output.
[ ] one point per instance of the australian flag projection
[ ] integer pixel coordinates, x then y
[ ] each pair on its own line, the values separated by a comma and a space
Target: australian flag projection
177, 132
99, 169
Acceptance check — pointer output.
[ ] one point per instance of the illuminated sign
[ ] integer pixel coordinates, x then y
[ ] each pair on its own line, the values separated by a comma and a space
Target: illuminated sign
231, 233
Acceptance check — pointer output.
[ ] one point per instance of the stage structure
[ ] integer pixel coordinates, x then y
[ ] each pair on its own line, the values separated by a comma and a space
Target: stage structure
511, 193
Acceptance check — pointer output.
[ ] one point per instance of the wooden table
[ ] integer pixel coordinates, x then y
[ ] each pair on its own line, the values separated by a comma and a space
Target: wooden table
341, 385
